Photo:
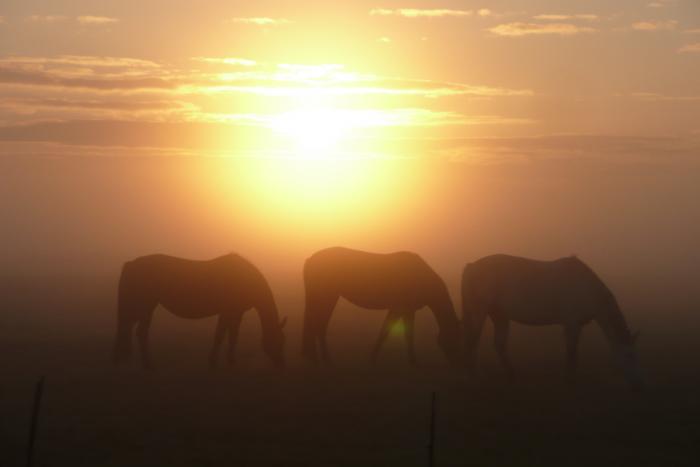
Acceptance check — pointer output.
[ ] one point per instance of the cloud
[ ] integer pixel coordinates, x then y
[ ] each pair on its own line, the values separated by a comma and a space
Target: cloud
79, 60
560, 17
42, 78
369, 118
86, 72
527, 29
47, 18
212, 130
692, 31
92, 138
32, 104
83, 19
659, 3
29, 110
260, 21
123, 133
384, 39
96, 20
656, 97
235, 61
651, 26
374, 86
606, 149
421, 13
128, 75
74, 87
101, 74
690, 48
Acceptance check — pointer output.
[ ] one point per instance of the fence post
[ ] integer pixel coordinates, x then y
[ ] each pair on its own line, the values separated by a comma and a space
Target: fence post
431, 441
38, 392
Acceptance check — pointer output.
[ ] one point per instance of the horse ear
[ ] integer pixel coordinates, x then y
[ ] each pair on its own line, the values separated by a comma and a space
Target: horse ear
283, 322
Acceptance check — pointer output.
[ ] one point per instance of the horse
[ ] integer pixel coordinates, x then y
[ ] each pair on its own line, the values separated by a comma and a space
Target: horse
227, 286
563, 292
401, 282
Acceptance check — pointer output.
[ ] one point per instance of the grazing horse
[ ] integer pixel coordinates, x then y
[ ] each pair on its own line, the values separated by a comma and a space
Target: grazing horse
400, 282
227, 286
565, 292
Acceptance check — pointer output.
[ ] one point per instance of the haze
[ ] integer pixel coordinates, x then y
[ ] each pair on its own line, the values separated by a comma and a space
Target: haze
272, 129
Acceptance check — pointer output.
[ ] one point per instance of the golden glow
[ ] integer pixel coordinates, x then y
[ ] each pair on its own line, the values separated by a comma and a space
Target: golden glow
320, 139
323, 193
315, 132
312, 166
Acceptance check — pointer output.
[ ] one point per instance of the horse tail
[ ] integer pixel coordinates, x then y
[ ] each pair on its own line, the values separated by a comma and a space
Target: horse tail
122, 344
308, 337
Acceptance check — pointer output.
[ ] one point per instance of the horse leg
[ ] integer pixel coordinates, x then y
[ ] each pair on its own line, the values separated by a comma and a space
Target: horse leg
308, 338
389, 319
324, 318
571, 333
501, 328
318, 305
142, 328
221, 328
408, 319
234, 327
473, 326
122, 346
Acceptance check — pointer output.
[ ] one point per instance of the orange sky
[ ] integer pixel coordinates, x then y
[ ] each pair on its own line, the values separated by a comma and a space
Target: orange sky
458, 129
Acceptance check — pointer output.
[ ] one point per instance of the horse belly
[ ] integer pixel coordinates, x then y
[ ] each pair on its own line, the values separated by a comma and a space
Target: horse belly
531, 310
371, 301
191, 313
189, 308
377, 297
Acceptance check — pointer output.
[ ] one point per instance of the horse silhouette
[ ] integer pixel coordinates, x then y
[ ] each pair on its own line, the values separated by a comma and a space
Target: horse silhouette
227, 286
563, 292
393, 318
400, 282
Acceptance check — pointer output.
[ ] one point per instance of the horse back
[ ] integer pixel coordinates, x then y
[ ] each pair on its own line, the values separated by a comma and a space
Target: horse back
190, 288
535, 292
371, 280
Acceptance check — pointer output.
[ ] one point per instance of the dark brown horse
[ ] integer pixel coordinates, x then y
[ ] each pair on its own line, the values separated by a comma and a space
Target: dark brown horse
563, 292
400, 282
227, 286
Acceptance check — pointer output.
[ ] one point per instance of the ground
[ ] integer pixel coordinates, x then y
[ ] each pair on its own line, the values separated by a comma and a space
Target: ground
185, 415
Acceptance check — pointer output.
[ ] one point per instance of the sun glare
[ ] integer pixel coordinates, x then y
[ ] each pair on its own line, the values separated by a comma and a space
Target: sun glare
316, 160
315, 132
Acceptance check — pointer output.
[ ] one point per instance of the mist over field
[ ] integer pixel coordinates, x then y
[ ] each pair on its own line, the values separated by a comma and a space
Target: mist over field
82, 221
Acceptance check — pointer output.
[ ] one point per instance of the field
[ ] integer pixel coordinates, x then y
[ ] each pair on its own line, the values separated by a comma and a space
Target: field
351, 415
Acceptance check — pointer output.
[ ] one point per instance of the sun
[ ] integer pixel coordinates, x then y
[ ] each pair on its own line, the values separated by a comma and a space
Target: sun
316, 164
314, 132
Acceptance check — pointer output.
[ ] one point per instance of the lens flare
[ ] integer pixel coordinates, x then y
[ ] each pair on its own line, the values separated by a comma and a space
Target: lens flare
398, 328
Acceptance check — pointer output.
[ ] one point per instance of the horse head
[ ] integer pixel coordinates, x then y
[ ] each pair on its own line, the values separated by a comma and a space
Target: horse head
450, 341
273, 343
628, 360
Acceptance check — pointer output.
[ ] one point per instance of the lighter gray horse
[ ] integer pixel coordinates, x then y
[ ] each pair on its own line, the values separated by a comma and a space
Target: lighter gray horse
227, 286
564, 292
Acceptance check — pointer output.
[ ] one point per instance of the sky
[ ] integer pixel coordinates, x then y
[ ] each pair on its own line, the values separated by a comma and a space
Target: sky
536, 127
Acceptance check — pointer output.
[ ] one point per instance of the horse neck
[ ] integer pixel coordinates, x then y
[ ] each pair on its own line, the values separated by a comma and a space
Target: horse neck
267, 310
443, 309
613, 324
